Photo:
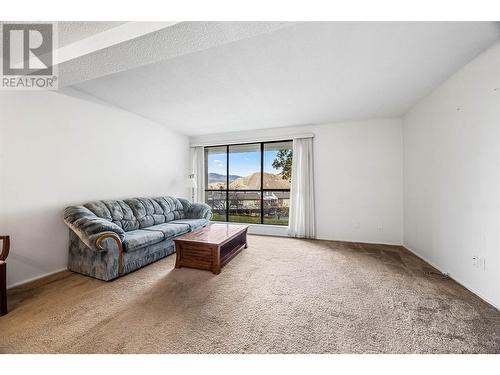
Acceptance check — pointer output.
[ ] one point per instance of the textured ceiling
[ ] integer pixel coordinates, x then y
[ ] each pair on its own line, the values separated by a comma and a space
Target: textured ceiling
177, 40
304, 73
70, 32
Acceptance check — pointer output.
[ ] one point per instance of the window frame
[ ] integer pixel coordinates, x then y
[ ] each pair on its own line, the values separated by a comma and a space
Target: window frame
227, 190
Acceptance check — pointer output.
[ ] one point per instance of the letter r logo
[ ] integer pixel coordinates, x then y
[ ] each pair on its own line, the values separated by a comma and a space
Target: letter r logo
27, 49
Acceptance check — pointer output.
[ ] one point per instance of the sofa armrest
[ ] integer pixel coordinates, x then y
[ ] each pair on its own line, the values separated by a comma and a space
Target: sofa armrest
199, 211
97, 233
196, 210
89, 227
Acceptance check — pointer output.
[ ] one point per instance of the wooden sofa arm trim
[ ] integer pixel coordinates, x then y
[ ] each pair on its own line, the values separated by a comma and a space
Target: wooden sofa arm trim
5, 247
114, 236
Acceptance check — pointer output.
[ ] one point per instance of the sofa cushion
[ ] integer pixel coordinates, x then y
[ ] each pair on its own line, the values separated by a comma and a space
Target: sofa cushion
139, 213
193, 223
173, 208
140, 238
118, 212
169, 230
154, 211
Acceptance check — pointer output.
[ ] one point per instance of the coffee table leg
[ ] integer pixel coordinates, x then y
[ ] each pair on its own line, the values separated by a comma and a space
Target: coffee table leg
216, 260
177, 256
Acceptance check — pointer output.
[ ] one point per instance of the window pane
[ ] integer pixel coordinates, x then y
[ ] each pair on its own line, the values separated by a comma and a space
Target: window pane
244, 167
276, 207
277, 165
216, 168
244, 206
217, 201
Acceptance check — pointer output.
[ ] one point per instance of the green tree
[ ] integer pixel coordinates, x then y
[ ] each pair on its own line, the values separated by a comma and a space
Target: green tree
283, 161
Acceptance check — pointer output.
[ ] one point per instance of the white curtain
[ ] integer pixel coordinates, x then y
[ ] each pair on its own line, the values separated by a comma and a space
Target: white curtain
301, 220
198, 169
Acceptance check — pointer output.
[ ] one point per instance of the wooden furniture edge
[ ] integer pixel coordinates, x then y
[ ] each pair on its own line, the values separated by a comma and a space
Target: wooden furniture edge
102, 237
5, 247
3, 274
216, 244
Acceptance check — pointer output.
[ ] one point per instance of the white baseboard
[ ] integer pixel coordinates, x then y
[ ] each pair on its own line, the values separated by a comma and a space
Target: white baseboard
262, 229
364, 242
445, 272
35, 278
268, 230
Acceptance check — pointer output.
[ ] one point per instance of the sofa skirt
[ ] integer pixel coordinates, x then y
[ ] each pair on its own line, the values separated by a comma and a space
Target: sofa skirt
103, 265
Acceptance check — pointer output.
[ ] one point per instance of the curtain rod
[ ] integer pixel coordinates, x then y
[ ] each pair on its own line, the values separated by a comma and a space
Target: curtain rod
252, 140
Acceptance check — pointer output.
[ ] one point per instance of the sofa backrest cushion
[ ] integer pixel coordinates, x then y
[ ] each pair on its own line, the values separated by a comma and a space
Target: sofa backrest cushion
138, 213
154, 211
115, 211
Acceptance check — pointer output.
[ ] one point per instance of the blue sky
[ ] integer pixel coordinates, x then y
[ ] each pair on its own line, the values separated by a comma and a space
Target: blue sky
241, 163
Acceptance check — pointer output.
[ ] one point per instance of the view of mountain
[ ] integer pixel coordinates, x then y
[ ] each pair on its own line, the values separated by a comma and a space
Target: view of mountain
215, 177
271, 181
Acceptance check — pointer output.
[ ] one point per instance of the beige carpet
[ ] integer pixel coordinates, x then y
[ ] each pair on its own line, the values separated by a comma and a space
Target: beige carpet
278, 296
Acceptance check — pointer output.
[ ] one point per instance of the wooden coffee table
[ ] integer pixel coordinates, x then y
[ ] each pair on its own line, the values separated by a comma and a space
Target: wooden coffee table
210, 248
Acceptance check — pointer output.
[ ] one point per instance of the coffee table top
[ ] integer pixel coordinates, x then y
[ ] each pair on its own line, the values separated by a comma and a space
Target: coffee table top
214, 234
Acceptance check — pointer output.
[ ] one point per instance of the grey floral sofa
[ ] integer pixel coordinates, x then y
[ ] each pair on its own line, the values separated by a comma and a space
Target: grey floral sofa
111, 238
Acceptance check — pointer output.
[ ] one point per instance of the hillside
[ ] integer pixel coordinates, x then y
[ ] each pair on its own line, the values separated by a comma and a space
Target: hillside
215, 177
271, 181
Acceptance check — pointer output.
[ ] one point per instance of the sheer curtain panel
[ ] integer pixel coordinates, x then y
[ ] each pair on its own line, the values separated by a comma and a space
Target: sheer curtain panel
301, 222
197, 168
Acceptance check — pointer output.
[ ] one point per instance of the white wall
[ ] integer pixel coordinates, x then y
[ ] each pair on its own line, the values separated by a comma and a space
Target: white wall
358, 177
452, 176
57, 150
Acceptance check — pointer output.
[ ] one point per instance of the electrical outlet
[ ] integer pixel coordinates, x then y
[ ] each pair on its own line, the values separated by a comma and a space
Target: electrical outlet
380, 228
475, 261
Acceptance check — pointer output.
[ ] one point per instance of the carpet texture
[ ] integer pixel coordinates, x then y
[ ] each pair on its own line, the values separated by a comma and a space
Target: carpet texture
278, 296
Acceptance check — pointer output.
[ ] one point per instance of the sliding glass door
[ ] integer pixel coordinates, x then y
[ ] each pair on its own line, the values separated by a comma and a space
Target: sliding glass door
249, 183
